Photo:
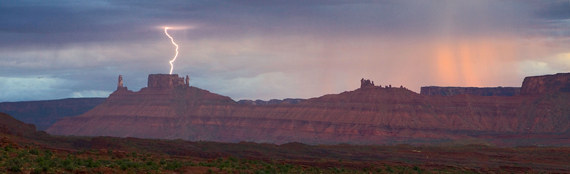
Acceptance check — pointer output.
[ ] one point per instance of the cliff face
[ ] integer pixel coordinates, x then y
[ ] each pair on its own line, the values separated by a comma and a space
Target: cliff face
369, 115
451, 91
164, 81
537, 85
271, 102
45, 113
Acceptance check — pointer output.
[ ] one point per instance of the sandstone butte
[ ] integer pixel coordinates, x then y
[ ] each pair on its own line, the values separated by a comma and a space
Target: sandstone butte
171, 109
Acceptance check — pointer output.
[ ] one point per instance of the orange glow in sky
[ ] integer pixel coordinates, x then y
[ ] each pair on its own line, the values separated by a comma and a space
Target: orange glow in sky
467, 62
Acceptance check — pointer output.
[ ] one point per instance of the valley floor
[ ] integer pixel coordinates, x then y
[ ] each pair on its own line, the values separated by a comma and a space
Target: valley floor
51, 154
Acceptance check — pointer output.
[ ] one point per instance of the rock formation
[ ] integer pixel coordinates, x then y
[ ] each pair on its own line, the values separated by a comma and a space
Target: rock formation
364, 83
370, 115
488, 91
165, 81
537, 85
187, 81
120, 81
120, 84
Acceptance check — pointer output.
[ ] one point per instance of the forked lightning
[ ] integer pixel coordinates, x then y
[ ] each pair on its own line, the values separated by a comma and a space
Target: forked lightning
176, 55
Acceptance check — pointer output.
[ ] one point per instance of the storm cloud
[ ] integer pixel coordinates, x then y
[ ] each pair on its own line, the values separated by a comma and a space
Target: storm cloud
276, 49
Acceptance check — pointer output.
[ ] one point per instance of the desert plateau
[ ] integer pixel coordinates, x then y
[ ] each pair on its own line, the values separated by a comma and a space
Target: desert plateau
285, 86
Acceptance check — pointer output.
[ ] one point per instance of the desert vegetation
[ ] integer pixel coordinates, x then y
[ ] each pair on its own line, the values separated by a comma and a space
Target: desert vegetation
40, 160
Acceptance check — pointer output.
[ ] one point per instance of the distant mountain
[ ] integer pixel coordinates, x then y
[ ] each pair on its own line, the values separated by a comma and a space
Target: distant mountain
44, 113
11, 126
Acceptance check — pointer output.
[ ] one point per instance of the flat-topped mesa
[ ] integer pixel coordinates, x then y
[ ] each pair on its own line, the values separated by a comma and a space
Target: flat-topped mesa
537, 85
369, 115
166, 81
485, 91
271, 102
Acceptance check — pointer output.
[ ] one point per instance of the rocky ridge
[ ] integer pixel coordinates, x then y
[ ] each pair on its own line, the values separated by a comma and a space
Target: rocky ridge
45, 113
368, 115
537, 85
271, 102
486, 91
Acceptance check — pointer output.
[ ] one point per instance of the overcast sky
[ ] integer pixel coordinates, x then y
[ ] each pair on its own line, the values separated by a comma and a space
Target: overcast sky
259, 49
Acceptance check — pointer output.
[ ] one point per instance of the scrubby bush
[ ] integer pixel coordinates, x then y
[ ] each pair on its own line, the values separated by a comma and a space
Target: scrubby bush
14, 164
89, 163
9, 148
34, 151
68, 164
48, 154
389, 169
173, 165
152, 165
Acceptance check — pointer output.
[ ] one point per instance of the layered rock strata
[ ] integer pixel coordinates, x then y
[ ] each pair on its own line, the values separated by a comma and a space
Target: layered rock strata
486, 91
369, 115
271, 102
537, 85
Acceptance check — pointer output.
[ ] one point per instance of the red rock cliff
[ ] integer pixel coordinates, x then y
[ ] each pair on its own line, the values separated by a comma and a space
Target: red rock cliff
488, 91
370, 115
537, 85
165, 81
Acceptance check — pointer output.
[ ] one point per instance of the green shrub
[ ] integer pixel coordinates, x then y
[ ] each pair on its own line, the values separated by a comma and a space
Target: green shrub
22, 153
173, 165
104, 162
9, 148
14, 164
124, 166
45, 168
92, 164
34, 151
389, 169
78, 162
48, 154
67, 164
232, 159
152, 165
416, 168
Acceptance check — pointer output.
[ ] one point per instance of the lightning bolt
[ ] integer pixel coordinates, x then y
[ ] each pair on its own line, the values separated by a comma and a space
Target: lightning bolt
171, 39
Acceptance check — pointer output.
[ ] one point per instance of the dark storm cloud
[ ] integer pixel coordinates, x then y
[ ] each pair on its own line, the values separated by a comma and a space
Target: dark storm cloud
84, 45
58, 23
61, 22
553, 10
